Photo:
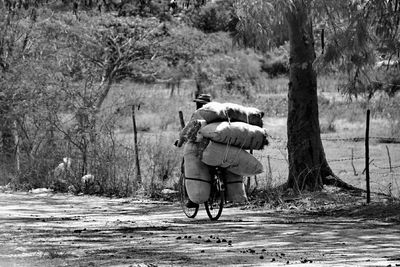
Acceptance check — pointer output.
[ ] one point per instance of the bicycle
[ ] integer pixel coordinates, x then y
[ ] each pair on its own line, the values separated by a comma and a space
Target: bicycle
215, 203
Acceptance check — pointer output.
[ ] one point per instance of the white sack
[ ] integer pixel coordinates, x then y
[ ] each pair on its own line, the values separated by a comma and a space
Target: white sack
232, 158
238, 134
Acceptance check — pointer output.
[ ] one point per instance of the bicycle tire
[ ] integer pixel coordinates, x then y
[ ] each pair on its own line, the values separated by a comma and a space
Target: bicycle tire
215, 203
189, 212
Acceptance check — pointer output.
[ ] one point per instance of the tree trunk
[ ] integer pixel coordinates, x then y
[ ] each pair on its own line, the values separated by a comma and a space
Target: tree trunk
307, 162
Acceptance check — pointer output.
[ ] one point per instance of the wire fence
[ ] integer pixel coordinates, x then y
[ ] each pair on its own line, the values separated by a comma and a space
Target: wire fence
346, 157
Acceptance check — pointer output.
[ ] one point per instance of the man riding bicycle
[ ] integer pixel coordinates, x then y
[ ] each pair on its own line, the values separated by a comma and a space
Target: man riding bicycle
200, 101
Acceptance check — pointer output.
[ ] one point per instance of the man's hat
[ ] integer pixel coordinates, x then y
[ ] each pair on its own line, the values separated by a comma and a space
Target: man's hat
203, 98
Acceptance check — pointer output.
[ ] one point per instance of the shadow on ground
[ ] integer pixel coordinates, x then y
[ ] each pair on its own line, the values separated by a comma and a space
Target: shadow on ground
64, 230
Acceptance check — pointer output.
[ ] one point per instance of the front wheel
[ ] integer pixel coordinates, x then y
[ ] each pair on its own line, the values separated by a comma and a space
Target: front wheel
215, 203
184, 198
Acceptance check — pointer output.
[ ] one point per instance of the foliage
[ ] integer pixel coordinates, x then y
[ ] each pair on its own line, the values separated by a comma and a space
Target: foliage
355, 35
28, 75
161, 163
261, 24
389, 109
276, 62
143, 8
62, 70
237, 72
359, 34
275, 68
214, 17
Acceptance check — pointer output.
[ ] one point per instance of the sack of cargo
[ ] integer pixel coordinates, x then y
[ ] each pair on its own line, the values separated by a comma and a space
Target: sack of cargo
232, 158
197, 174
238, 134
215, 111
234, 186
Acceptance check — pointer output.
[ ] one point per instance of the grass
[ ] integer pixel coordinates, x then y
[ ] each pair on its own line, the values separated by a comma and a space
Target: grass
156, 114
159, 115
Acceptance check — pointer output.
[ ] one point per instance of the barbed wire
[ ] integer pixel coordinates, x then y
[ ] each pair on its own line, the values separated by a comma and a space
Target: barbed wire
385, 174
347, 139
277, 138
360, 139
386, 168
280, 159
346, 159
332, 160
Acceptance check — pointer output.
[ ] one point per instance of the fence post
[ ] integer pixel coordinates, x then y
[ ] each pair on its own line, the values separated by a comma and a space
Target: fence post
352, 163
269, 181
181, 120
390, 159
138, 174
367, 157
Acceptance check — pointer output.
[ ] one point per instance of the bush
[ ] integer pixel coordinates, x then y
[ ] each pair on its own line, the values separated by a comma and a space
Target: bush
213, 17
275, 68
237, 71
389, 109
276, 61
161, 163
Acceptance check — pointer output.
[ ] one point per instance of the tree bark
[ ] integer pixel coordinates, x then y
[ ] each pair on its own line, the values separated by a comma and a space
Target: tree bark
307, 162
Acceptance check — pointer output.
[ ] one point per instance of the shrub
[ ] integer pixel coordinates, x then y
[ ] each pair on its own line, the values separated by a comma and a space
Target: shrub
161, 163
276, 61
237, 71
275, 68
389, 109
213, 17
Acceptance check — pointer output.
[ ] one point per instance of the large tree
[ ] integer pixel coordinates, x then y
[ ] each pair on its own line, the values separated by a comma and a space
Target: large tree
307, 163
308, 167
357, 33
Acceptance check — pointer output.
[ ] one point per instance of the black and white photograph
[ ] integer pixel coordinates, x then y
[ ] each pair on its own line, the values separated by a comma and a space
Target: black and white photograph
191, 133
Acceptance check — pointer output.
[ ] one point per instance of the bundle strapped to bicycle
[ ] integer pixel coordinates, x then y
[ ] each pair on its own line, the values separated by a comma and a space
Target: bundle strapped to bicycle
215, 159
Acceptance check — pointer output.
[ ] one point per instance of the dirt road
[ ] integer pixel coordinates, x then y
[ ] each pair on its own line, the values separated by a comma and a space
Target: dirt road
62, 230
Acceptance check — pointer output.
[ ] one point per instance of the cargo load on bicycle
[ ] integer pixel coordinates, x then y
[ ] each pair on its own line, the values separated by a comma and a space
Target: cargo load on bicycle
197, 174
232, 158
225, 131
234, 185
239, 134
215, 111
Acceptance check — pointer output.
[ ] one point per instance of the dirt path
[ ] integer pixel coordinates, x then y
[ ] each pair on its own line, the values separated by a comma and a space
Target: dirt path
64, 230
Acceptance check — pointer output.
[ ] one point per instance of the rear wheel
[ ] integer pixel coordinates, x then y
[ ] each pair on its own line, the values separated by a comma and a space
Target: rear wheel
215, 202
184, 198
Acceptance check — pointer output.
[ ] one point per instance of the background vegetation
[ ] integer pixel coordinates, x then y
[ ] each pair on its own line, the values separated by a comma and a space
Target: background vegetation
71, 75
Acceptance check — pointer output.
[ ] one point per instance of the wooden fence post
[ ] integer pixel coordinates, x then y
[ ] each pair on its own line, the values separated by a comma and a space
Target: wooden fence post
269, 182
181, 120
367, 157
352, 163
390, 159
138, 174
